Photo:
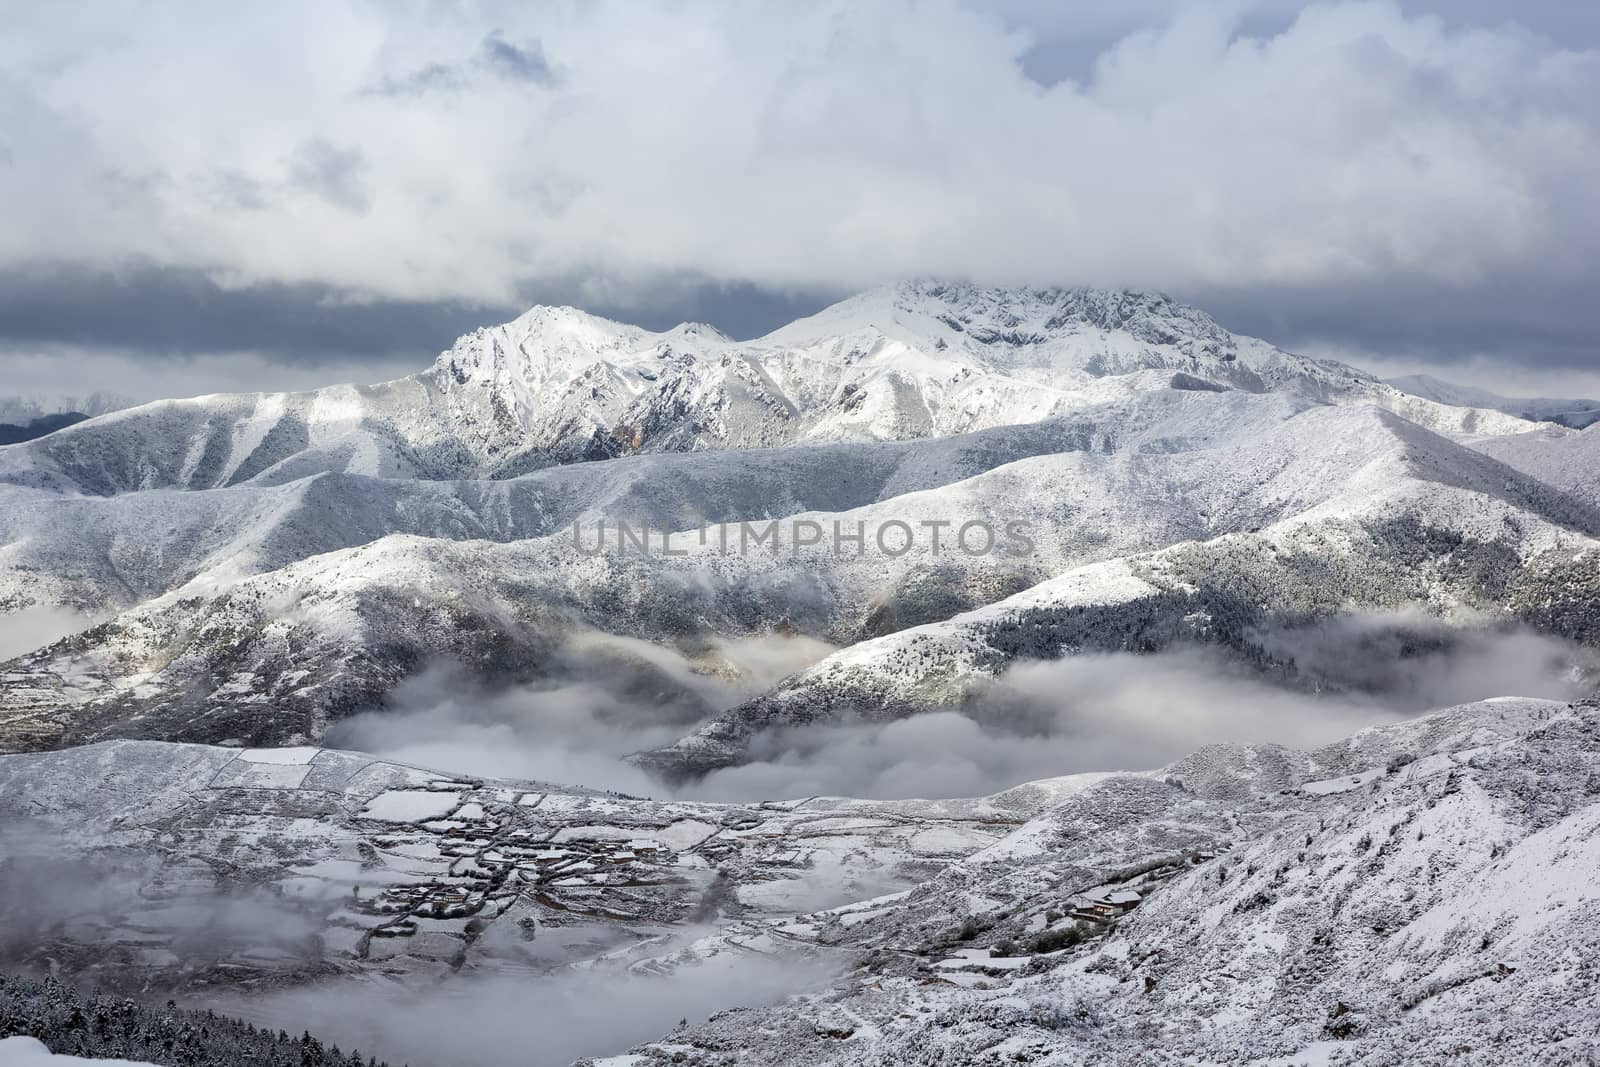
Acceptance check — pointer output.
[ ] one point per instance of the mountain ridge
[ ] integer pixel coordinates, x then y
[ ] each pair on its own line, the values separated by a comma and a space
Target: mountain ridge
557, 385
1572, 413
265, 565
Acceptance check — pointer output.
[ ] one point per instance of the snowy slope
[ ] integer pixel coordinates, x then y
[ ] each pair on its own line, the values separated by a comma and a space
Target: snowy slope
1565, 459
1420, 892
137, 502
126, 548
1441, 910
130, 547
29, 1052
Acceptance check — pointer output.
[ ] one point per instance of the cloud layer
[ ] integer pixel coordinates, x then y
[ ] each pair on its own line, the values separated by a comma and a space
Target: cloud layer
33, 628
628, 155
531, 1021
1079, 713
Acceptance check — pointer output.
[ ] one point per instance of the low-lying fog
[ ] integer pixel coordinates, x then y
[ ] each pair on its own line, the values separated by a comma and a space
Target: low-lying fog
1079, 713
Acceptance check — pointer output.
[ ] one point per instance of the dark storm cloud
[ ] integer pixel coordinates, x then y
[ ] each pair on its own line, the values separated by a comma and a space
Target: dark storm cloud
1554, 327
153, 313
160, 311
741, 310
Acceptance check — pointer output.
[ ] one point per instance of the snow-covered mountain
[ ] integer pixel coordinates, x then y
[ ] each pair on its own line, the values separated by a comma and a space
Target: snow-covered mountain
558, 385
1177, 489
1336, 511
242, 578
1560, 458
303, 553
1404, 896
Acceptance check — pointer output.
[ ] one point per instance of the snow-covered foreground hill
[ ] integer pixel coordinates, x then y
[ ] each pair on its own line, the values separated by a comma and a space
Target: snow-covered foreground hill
1420, 892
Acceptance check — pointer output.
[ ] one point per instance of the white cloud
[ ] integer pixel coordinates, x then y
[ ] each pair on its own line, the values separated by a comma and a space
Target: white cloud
1131, 712
53, 374
791, 145
1504, 374
1079, 713
618, 695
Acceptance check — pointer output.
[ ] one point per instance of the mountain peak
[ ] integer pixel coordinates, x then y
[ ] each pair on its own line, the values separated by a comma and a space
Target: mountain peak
699, 331
546, 337
1011, 316
1150, 316
562, 323
542, 342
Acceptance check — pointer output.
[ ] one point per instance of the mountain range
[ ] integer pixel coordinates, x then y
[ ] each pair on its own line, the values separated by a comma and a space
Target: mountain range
575, 562
307, 552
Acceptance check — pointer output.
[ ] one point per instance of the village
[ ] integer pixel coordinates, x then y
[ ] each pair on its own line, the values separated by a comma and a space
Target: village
425, 873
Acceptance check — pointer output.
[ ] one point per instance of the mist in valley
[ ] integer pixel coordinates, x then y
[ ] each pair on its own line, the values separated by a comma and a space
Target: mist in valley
480, 1020
35, 627
1039, 719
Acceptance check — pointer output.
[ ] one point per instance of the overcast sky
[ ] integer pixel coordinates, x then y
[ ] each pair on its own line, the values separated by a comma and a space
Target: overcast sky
204, 196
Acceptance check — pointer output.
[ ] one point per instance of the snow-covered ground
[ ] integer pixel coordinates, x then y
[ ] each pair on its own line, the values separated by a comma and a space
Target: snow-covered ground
1411, 891
30, 1052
